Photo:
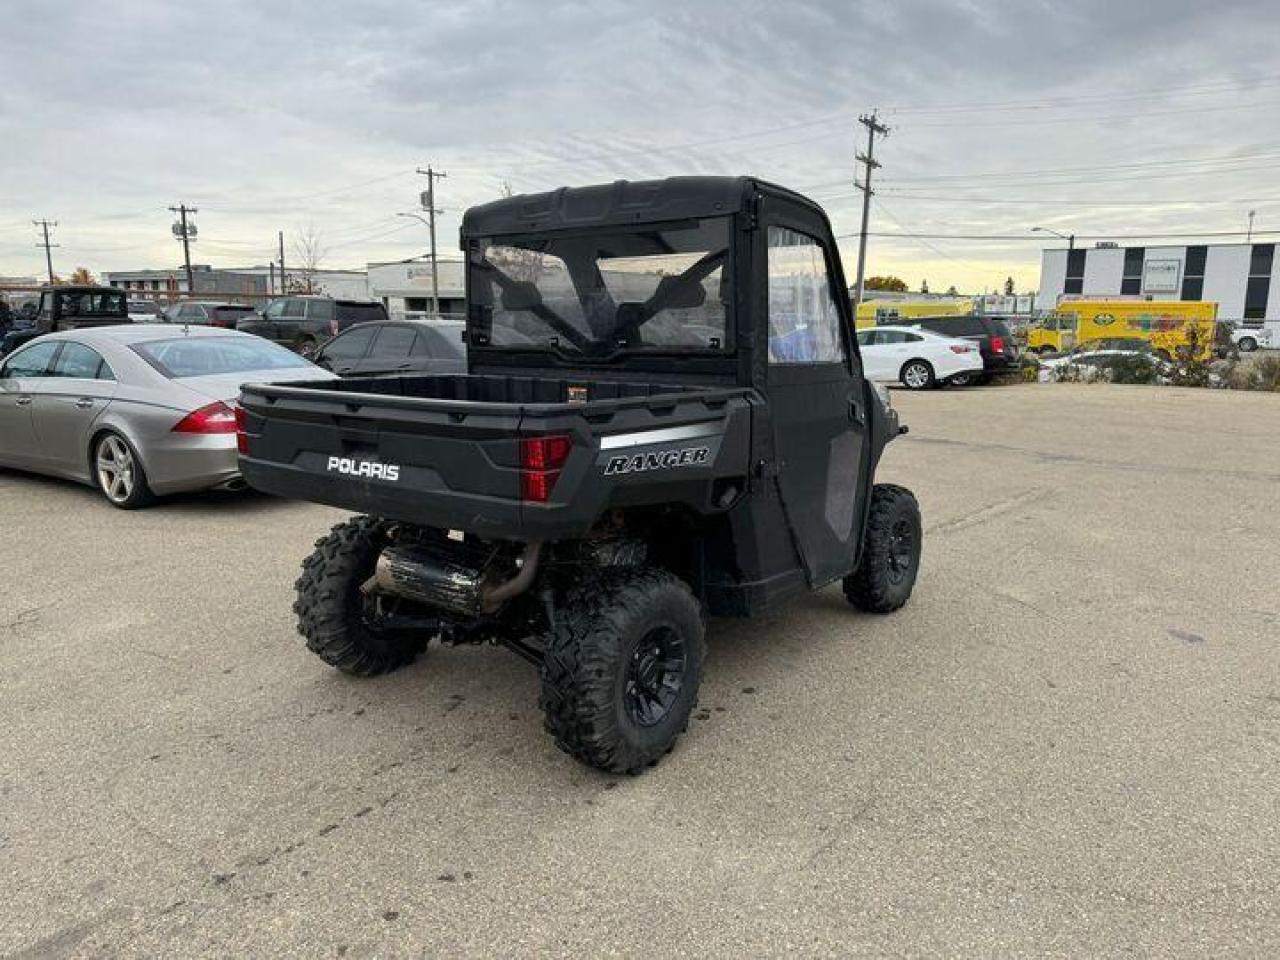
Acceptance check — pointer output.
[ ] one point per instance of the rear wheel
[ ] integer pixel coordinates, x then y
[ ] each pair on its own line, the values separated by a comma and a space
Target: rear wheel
916, 375
961, 380
118, 473
306, 347
331, 609
890, 559
622, 668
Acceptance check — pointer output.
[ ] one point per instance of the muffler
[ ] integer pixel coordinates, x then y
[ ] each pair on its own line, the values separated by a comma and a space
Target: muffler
434, 575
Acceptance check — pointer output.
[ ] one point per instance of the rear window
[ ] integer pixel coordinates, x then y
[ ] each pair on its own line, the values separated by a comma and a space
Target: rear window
233, 312
998, 328
955, 326
350, 312
95, 303
211, 356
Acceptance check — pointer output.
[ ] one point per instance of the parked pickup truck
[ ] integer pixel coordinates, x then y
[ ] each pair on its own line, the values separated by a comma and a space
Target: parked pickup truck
664, 418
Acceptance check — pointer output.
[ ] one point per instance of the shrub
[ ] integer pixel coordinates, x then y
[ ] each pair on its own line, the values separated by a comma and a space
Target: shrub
1258, 373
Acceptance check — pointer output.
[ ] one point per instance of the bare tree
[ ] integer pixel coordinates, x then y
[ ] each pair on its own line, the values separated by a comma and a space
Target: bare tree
309, 251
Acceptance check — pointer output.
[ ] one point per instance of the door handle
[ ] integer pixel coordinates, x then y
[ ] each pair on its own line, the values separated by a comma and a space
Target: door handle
23, 401
84, 403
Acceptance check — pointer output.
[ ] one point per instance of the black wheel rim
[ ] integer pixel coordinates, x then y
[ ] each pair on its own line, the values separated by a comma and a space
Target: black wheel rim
902, 550
654, 676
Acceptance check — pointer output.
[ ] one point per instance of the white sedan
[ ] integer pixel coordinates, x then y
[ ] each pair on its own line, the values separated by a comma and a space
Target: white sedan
916, 358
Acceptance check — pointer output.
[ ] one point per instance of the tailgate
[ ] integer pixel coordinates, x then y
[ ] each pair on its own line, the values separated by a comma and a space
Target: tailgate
456, 464
443, 463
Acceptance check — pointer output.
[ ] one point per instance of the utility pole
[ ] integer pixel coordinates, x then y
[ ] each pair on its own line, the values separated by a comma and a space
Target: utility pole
185, 232
869, 163
284, 286
48, 257
428, 200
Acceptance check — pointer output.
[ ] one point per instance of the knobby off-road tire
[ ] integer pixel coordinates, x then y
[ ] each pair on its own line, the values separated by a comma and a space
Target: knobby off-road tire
330, 607
890, 559
622, 668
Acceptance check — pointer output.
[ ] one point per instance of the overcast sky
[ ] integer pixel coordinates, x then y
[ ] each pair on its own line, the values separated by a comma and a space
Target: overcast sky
1102, 118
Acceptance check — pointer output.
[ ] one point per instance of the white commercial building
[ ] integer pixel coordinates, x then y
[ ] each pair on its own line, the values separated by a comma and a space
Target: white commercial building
1242, 278
405, 286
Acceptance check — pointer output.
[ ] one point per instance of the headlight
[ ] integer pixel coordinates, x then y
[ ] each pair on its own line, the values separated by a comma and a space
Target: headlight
883, 393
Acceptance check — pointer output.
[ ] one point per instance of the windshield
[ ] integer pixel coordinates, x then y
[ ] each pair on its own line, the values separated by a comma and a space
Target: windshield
211, 356
659, 288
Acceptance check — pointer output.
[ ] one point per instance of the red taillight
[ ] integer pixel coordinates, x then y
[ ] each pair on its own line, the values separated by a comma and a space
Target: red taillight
242, 436
540, 461
215, 418
997, 344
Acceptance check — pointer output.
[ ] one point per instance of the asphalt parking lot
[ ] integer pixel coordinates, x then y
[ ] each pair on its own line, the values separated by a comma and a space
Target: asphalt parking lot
1068, 742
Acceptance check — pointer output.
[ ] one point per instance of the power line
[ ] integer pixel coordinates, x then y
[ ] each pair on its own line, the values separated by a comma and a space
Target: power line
1215, 87
939, 198
1097, 118
1031, 236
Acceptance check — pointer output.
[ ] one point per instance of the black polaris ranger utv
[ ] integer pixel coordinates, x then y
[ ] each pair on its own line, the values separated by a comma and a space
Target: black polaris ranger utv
665, 419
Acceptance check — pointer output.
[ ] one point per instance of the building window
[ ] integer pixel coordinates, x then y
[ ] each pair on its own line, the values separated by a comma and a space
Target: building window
1131, 282
1258, 288
1075, 272
1193, 273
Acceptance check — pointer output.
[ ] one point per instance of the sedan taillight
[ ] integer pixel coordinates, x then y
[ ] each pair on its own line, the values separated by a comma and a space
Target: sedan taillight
217, 417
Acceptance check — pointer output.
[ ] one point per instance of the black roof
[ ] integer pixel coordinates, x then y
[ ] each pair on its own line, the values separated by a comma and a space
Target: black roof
619, 203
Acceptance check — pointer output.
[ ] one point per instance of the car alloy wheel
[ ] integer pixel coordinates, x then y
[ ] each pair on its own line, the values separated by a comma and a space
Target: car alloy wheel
117, 471
1248, 344
916, 375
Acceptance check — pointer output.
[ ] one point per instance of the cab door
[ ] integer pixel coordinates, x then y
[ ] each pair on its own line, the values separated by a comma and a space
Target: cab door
817, 395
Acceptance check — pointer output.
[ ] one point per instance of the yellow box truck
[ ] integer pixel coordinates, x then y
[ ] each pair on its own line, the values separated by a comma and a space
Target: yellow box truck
879, 312
1174, 327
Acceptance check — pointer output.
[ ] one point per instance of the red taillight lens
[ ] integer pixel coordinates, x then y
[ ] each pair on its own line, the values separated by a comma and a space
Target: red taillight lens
215, 418
997, 344
242, 437
540, 461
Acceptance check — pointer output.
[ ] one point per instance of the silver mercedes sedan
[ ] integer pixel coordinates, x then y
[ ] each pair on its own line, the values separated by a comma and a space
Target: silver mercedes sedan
137, 411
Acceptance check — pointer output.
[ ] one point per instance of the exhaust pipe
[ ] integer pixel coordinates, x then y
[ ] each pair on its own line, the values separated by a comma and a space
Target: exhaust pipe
429, 575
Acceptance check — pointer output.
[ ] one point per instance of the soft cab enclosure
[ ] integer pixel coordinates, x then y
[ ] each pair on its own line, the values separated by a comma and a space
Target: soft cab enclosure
673, 355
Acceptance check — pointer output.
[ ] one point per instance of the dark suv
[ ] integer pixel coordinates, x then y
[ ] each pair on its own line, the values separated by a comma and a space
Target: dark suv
995, 341
304, 323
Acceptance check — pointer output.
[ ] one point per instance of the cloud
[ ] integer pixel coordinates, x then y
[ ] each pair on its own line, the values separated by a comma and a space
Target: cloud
271, 116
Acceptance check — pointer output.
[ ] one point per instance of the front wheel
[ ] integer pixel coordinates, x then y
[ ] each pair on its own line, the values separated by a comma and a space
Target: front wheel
917, 375
621, 671
332, 612
890, 558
